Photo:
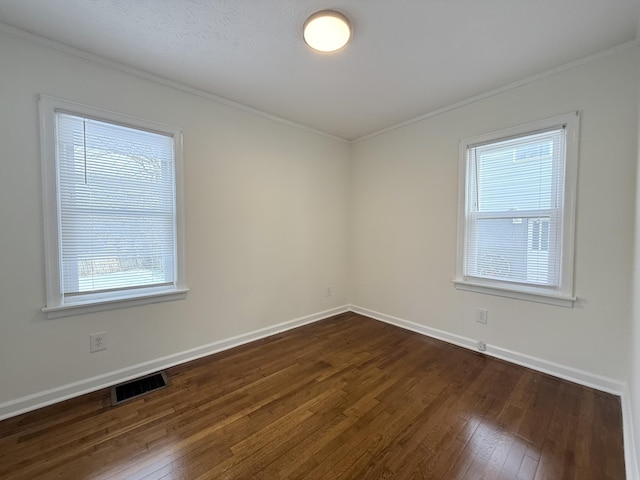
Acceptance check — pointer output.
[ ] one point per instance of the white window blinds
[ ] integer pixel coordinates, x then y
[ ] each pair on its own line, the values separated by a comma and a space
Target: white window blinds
514, 209
117, 221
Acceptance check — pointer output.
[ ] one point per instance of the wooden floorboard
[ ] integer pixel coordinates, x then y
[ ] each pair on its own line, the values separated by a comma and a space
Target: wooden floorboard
344, 398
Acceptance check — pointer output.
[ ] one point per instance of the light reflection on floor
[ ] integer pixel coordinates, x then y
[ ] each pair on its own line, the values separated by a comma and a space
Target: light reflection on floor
496, 452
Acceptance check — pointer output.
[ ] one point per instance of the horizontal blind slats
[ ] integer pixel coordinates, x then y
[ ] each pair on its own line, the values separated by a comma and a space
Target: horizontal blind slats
117, 199
514, 200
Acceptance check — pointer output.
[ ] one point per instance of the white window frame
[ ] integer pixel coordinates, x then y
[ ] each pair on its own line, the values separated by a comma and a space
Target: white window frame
55, 304
563, 295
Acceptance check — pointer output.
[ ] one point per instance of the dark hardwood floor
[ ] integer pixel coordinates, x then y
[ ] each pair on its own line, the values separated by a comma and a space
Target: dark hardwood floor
344, 398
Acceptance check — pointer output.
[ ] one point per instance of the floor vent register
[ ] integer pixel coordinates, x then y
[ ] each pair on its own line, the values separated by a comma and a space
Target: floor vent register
135, 388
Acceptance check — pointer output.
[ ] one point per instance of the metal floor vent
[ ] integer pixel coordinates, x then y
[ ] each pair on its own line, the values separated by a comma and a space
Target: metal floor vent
135, 388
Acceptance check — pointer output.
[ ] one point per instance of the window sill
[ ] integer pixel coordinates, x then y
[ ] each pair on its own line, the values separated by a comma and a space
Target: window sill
531, 296
68, 310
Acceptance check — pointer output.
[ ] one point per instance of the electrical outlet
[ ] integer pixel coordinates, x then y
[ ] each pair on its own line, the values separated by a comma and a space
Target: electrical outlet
481, 315
482, 346
327, 291
97, 342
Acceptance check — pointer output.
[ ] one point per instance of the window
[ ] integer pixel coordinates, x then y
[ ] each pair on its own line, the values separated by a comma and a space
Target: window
112, 202
516, 212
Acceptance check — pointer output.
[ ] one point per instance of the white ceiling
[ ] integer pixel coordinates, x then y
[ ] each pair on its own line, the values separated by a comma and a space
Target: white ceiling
407, 57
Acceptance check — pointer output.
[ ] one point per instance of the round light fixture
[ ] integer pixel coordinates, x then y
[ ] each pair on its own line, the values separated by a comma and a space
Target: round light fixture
326, 31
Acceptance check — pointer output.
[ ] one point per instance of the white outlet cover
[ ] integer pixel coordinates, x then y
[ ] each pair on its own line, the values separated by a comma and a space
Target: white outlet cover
97, 342
481, 315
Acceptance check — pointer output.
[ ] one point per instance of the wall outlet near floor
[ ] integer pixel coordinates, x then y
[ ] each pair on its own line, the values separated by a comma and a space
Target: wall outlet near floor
481, 315
327, 291
97, 342
482, 346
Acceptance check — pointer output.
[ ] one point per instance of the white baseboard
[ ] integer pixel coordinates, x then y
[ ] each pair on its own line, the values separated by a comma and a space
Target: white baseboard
571, 374
58, 394
630, 445
75, 389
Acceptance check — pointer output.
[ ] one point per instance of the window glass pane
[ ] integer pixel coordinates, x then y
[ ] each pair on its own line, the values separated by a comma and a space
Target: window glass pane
512, 250
516, 214
117, 201
517, 174
514, 217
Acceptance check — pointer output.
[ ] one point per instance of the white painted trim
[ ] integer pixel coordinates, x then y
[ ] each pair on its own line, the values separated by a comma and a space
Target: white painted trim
558, 300
630, 445
414, 327
230, 103
497, 91
75, 389
56, 307
68, 310
562, 295
571, 374
157, 79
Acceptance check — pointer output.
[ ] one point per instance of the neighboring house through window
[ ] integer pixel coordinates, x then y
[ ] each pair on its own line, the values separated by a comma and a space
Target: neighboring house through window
517, 211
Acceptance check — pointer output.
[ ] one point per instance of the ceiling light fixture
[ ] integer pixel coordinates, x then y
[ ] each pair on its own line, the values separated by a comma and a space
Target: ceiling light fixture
326, 31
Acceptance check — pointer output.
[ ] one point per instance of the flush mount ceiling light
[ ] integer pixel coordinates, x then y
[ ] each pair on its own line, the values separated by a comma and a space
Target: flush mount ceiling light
326, 31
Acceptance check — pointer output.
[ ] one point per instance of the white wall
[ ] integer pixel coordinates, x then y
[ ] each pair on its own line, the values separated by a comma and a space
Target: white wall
274, 213
404, 200
266, 224
633, 402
